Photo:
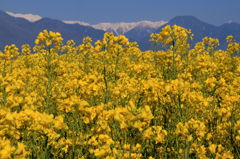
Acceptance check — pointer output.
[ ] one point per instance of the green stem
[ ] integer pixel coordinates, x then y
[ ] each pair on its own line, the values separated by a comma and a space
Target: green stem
106, 85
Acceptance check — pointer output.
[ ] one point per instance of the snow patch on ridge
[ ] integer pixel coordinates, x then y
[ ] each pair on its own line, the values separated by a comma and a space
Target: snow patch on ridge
77, 22
29, 17
121, 27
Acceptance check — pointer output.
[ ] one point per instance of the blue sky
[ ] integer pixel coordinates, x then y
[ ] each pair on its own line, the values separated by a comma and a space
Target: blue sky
95, 11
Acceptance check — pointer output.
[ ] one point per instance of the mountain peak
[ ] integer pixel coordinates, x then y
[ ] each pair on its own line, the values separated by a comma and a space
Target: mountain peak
184, 19
29, 17
120, 27
76, 22
46, 20
124, 27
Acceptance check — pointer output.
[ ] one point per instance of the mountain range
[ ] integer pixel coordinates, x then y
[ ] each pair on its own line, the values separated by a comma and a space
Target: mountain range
122, 27
23, 28
21, 31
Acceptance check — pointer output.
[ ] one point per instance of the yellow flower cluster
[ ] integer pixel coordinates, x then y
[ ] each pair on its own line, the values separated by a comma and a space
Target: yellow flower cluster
7, 150
108, 99
46, 39
174, 36
9, 52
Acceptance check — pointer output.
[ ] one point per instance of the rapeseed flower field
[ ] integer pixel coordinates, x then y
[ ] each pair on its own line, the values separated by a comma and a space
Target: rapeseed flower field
111, 100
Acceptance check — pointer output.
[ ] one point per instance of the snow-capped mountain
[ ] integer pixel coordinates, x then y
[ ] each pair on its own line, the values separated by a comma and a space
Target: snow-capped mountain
117, 28
18, 30
122, 27
77, 22
29, 17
